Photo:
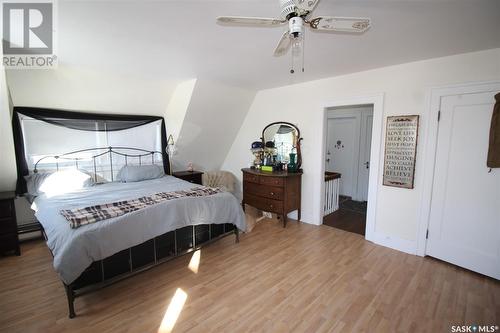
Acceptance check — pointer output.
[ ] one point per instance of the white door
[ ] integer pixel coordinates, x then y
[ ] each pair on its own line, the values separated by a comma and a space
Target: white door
365, 145
464, 226
342, 152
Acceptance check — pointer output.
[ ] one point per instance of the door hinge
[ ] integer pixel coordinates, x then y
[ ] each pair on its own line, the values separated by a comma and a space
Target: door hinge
427, 234
439, 115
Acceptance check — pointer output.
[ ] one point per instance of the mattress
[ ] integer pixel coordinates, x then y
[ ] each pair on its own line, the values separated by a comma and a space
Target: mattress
75, 249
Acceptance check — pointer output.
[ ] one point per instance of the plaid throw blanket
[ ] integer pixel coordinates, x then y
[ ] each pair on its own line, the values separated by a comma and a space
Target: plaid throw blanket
82, 216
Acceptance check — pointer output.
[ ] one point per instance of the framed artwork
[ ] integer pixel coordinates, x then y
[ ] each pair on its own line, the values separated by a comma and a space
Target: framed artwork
400, 151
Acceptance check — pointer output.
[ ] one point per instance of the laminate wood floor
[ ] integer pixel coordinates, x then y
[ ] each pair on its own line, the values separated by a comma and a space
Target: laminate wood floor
303, 279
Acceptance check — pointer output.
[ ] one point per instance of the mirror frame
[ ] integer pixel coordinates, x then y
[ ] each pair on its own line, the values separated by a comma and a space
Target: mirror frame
299, 138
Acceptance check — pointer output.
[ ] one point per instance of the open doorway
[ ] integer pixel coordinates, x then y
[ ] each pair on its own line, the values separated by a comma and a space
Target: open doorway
347, 165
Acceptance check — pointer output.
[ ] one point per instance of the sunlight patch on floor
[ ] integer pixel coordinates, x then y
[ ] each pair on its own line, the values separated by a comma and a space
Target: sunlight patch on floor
173, 311
194, 263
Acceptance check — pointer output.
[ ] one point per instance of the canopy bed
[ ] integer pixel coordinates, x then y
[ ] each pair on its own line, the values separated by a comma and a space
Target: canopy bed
128, 213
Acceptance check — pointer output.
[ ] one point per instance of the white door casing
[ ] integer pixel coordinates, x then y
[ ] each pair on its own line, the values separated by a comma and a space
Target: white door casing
365, 144
348, 147
377, 100
464, 219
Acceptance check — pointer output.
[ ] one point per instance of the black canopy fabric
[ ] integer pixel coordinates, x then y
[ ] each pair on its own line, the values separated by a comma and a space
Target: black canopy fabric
79, 121
494, 147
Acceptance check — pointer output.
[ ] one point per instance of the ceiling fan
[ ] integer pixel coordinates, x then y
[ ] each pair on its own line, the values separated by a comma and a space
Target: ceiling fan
296, 13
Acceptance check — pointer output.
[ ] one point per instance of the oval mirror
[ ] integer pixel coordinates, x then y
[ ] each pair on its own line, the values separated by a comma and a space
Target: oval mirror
286, 140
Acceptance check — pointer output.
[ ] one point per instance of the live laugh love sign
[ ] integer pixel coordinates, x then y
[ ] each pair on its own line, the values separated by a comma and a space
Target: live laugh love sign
400, 151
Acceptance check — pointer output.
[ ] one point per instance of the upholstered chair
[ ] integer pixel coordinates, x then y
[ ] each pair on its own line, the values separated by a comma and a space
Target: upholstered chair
221, 179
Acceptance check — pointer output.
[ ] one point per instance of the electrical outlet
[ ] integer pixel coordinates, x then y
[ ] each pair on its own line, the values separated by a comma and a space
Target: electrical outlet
268, 215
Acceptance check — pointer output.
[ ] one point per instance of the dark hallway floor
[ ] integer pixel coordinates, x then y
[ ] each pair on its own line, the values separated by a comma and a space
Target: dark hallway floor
351, 216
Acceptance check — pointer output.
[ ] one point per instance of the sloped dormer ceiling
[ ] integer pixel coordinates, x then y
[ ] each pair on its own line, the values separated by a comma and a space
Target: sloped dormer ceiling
211, 122
179, 40
130, 56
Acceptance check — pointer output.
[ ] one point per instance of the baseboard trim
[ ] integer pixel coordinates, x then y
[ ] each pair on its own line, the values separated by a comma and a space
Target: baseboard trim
395, 243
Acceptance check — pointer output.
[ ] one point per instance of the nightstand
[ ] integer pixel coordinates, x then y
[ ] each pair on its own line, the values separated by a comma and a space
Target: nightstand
190, 176
9, 241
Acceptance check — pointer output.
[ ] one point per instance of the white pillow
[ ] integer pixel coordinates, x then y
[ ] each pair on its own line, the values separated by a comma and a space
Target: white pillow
65, 181
137, 173
34, 181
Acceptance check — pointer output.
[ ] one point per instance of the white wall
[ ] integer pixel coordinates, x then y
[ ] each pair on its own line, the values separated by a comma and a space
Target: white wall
405, 88
80, 88
214, 116
8, 170
178, 107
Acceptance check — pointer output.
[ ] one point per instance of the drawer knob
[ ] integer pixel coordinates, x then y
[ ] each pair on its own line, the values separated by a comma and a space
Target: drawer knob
270, 206
272, 193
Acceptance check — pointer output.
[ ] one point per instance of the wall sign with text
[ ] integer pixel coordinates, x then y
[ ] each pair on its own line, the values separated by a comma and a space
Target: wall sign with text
400, 151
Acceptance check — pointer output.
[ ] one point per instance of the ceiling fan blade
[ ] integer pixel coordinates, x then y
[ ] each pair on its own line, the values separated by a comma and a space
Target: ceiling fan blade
283, 45
306, 5
341, 24
258, 21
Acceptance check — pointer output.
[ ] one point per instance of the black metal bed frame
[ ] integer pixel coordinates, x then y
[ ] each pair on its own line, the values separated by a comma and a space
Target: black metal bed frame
100, 153
144, 256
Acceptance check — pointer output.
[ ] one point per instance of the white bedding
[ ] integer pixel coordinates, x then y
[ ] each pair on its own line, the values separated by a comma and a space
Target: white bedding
75, 249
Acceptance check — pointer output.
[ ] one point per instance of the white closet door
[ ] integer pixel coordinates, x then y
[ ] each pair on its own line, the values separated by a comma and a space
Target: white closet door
464, 226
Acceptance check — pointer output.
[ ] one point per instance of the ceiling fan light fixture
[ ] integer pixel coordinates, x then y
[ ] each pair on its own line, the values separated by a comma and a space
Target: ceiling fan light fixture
297, 46
288, 7
297, 14
296, 30
296, 26
297, 53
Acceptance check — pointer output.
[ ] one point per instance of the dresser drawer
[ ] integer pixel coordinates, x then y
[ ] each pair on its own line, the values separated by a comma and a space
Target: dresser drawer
273, 181
195, 179
265, 204
7, 224
6, 208
189, 176
271, 192
248, 177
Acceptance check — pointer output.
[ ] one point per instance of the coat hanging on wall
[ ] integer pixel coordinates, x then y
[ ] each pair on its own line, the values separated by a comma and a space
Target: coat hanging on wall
494, 148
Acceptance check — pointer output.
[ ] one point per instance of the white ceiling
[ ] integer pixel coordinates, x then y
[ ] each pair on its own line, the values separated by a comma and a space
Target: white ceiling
177, 40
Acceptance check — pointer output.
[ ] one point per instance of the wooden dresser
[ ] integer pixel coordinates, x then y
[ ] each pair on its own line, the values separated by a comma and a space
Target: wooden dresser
276, 192
9, 241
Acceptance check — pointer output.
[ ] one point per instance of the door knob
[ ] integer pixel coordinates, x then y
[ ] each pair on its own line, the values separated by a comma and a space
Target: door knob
328, 160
